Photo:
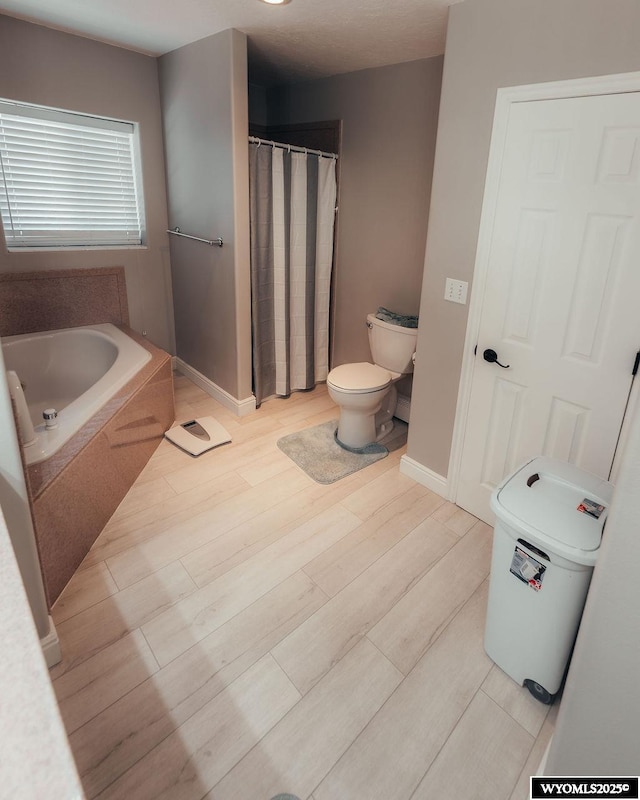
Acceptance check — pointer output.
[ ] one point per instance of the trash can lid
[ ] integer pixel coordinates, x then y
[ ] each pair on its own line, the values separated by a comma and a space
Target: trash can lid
557, 502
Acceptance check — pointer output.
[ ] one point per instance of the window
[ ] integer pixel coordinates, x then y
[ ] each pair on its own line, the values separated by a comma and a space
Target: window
68, 180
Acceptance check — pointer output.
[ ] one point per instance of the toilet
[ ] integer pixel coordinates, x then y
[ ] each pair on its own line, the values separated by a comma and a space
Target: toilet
365, 392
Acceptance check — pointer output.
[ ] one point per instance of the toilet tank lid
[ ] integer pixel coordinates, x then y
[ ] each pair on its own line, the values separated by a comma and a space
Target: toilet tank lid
359, 377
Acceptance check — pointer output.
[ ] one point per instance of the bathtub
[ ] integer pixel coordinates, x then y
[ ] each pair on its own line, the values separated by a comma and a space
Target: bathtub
121, 385
74, 371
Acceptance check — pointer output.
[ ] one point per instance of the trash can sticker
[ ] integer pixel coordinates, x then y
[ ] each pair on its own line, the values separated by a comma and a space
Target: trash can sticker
527, 569
591, 508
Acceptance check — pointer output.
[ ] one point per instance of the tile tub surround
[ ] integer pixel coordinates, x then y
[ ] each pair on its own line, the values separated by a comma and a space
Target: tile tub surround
75, 492
47, 300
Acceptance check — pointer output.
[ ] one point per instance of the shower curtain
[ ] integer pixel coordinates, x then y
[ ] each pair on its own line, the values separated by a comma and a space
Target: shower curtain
293, 198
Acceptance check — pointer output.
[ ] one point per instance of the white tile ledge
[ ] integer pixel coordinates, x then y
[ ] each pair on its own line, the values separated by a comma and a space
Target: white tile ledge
36, 759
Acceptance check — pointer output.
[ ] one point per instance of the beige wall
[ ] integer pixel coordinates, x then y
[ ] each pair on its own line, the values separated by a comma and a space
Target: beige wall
389, 118
491, 44
258, 105
204, 106
47, 67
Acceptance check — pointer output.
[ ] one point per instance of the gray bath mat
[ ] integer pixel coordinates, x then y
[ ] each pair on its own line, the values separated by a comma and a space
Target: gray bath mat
285, 797
316, 452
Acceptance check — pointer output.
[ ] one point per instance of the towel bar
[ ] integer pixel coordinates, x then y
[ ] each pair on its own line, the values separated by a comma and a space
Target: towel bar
211, 242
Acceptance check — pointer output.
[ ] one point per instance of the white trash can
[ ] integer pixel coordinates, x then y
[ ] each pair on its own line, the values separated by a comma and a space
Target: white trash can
549, 521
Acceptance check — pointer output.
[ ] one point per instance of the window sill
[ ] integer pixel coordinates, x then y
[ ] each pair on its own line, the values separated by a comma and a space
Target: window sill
74, 248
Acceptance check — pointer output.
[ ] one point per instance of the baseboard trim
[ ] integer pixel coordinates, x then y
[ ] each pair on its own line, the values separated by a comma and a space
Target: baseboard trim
241, 407
424, 476
51, 646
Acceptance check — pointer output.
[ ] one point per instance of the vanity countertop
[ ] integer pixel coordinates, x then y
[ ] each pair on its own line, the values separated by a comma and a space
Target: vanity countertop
36, 759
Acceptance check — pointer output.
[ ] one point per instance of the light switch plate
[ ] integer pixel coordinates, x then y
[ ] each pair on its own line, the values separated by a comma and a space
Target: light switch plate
456, 291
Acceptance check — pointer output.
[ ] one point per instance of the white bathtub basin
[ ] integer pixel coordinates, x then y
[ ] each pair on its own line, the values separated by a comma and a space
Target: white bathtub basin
74, 370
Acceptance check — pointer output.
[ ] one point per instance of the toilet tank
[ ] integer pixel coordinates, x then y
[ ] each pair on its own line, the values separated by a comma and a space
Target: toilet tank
392, 346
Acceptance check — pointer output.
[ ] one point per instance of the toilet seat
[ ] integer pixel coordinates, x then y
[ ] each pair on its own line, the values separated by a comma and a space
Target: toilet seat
359, 378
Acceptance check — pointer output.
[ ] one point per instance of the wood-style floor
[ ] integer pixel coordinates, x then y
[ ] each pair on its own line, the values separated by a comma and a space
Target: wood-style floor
239, 631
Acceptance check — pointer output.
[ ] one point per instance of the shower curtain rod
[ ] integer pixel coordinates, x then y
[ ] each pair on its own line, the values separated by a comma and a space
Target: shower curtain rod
256, 140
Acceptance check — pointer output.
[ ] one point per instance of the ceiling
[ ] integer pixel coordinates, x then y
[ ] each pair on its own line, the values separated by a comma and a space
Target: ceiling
302, 40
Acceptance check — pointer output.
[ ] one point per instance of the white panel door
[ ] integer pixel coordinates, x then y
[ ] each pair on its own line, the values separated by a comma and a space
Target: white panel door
560, 306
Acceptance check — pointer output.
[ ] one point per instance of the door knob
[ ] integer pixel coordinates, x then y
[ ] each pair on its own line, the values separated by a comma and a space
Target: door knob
492, 357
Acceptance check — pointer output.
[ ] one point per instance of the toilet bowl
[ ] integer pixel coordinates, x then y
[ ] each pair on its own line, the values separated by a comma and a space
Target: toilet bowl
364, 392
359, 390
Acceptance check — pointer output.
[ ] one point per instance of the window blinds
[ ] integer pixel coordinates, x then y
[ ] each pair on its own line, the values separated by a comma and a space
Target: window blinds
67, 179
